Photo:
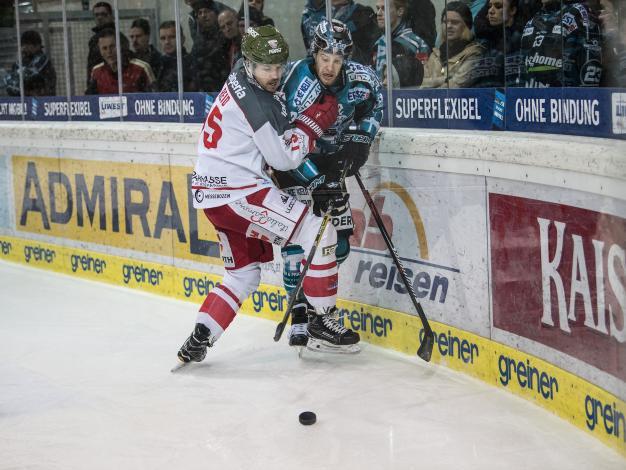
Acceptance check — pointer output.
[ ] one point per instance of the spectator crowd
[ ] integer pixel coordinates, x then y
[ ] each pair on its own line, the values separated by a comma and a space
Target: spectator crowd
481, 43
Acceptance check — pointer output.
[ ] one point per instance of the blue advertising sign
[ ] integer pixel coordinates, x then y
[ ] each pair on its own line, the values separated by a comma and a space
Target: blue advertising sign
444, 109
12, 109
57, 108
596, 112
166, 107
147, 107
576, 111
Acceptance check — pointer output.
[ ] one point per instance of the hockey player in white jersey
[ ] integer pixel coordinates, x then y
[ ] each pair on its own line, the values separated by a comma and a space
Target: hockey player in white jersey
246, 131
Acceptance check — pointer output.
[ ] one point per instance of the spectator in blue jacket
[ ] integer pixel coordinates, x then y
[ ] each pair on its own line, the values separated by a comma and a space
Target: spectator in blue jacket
40, 78
360, 19
409, 52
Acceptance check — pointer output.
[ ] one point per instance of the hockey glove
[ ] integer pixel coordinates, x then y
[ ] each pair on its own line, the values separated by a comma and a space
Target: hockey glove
356, 149
327, 193
318, 117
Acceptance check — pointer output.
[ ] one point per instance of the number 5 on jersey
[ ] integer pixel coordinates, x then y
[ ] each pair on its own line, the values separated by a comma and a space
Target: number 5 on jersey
212, 130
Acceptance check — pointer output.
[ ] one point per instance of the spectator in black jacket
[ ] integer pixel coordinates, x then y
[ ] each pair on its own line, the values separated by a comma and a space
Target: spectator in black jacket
39, 75
167, 76
258, 5
360, 19
526, 9
210, 60
192, 18
612, 17
228, 22
140, 43
499, 29
255, 18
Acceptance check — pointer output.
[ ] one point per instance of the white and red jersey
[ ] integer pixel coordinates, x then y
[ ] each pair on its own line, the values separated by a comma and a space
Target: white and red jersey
246, 130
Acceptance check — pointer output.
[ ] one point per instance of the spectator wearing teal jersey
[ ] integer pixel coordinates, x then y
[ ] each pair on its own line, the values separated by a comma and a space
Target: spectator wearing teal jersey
408, 52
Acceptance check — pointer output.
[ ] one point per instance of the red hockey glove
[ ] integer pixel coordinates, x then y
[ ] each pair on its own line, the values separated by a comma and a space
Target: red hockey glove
318, 117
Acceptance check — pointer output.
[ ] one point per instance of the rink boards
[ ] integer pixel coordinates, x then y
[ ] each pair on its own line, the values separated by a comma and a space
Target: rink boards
516, 255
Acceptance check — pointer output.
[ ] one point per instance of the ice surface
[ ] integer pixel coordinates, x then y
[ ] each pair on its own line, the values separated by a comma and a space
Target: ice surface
85, 383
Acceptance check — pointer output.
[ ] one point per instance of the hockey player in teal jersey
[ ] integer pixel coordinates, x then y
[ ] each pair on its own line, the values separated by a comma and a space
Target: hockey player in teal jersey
357, 89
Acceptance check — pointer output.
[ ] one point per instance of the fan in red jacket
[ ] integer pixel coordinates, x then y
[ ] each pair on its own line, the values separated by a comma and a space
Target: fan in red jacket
137, 75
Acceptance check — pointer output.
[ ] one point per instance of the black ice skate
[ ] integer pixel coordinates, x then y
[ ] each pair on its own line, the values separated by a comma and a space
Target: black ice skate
326, 334
194, 348
299, 320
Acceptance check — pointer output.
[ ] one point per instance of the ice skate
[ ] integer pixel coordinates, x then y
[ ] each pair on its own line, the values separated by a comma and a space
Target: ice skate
297, 334
195, 347
299, 320
327, 335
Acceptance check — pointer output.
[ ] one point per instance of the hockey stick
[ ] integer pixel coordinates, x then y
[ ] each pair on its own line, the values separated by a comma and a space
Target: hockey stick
281, 326
426, 348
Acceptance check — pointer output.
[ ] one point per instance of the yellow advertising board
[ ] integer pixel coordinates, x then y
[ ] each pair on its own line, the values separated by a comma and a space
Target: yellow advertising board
136, 206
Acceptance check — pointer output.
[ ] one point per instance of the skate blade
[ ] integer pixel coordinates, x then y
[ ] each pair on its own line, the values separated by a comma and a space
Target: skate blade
179, 366
323, 347
300, 351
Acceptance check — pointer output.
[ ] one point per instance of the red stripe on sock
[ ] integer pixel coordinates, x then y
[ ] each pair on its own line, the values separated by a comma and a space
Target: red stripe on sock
218, 309
320, 286
322, 267
230, 293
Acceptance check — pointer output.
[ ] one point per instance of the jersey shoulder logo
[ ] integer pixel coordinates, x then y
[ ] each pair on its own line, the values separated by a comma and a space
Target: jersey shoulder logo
569, 23
359, 73
306, 93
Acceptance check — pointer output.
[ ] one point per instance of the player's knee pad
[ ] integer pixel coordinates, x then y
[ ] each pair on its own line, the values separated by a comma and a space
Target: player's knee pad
343, 248
243, 281
292, 261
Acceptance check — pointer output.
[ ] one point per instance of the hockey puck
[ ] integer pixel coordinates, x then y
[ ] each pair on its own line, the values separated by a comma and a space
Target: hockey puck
307, 418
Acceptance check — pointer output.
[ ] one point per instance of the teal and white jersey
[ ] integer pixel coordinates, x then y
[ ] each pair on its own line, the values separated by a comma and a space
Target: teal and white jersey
404, 43
359, 95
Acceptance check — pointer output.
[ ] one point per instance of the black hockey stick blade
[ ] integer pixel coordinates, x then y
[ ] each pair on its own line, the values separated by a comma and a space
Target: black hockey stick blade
279, 331
426, 348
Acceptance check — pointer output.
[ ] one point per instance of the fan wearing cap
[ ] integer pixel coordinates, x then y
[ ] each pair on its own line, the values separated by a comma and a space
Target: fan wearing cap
247, 130
451, 65
329, 70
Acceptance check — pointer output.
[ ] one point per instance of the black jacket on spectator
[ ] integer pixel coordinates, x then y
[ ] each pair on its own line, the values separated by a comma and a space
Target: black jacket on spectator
192, 18
167, 77
408, 54
500, 64
210, 60
614, 61
94, 57
360, 19
526, 9
421, 18
40, 78
152, 57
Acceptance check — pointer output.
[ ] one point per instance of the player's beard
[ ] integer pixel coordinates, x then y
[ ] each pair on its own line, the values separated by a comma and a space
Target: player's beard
272, 85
